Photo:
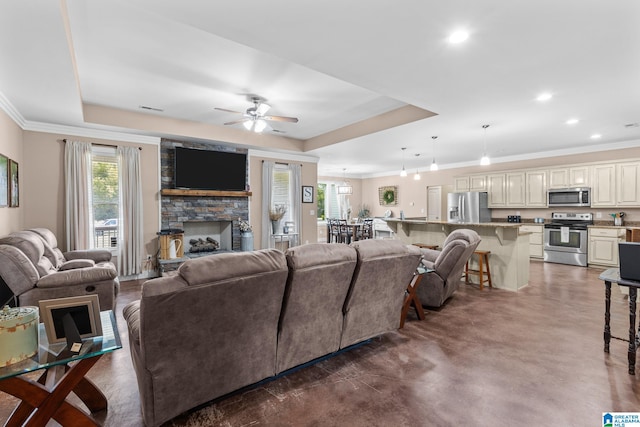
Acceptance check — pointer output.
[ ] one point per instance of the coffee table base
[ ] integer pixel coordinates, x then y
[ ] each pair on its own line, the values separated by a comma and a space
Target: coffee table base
39, 404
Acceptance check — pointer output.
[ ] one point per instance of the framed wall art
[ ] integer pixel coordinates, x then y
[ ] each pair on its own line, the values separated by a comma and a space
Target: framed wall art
388, 195
14, 192
4, 181
307, 194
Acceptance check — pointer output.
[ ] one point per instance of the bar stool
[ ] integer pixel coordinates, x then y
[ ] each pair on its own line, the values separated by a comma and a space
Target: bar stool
483, 260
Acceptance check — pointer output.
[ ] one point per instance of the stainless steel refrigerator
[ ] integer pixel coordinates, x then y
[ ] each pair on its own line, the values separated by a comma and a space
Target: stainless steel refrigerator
469, 207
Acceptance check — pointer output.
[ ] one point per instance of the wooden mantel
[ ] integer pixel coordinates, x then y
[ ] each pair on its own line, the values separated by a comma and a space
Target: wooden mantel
203, 193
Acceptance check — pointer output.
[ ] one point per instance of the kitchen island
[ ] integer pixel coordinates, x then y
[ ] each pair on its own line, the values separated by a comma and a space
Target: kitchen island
509, 259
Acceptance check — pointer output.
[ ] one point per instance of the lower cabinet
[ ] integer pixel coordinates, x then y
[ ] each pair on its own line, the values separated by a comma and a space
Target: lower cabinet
536, 243
603, 245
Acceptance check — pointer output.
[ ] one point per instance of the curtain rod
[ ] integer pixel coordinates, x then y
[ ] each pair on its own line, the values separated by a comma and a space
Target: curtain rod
282, 163
100, 145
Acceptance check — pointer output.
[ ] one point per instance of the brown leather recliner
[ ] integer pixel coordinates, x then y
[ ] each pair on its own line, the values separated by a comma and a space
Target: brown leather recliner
35, 269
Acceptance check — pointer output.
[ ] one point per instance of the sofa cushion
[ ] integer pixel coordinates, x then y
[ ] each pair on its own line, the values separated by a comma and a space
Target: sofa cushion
78, 276
77, 263
51, 250
18, 271
33, 247
228, 266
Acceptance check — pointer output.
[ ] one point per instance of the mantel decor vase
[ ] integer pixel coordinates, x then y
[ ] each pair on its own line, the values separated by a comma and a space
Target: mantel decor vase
246, 241
275, 226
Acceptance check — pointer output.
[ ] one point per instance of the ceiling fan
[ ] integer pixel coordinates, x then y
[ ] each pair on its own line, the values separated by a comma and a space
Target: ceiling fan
255, 119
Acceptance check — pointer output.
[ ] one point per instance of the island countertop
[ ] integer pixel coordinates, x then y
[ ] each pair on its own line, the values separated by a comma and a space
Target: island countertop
509, 258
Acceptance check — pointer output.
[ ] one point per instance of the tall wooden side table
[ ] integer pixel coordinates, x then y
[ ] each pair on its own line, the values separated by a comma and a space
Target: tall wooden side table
64, 372
609, 276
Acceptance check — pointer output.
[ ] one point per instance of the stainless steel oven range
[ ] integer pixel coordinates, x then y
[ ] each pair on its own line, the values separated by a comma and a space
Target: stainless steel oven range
565, 238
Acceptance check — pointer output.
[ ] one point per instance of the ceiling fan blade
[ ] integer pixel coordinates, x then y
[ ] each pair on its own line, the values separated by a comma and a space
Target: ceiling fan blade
237, 121
281, 119
228, 111
262, 109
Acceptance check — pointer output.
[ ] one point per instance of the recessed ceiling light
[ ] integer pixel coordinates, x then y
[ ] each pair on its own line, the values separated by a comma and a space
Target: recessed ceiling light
544, 96
572, 121
596, 136
458, 36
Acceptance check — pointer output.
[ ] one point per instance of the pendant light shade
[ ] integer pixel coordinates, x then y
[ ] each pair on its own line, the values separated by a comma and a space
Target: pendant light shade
434, 165
485, 161
417, 175
345, 188
403, 172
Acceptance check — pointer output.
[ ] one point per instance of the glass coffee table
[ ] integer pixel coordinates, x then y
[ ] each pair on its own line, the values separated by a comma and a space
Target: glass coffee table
64, 372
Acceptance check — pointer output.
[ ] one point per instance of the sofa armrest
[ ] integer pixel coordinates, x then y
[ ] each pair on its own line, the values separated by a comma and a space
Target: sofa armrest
131, 313
430, 254
97, 255
78, 276
77, 263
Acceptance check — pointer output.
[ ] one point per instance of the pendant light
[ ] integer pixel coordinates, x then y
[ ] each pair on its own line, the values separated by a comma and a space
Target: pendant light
484, 161
403, 172
345, 188
417, 175
434, 165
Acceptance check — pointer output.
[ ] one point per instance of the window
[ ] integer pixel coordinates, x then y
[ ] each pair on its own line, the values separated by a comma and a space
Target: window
281, 191
328, 201
104, 199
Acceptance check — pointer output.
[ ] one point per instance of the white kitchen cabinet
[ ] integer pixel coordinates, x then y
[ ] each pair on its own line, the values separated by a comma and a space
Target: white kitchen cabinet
461, 183
536, 244
515, 189
628, 184
576, 176
603, 188
478, 183
536, 189
603, 245
496, 189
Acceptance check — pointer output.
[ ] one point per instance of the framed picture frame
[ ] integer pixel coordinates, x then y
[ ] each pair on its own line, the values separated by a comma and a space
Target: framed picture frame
14, 190
84, 310
388, 195
307, 194
4, 181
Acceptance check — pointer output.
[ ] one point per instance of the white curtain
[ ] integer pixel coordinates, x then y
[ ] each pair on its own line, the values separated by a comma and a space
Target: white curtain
296, 198
267, 183
78, 213
130, 218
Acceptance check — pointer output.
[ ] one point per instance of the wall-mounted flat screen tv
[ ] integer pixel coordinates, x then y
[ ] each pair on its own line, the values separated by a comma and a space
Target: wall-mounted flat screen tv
210, 170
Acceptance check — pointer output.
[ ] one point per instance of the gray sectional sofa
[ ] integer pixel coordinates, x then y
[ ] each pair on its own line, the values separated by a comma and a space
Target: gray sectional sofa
227, 321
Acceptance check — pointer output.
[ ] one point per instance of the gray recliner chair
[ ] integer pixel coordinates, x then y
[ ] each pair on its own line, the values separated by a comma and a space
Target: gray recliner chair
34, 269
437, 286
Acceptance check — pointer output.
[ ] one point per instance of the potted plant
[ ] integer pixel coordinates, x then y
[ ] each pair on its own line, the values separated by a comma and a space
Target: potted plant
364, 212
246, 235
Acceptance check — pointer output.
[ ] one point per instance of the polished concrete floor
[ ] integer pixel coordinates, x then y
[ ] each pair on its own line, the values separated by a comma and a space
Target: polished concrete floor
487, 358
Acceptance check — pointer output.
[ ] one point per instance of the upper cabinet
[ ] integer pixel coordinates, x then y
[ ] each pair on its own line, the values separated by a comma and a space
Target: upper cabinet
478, 183
575, 176
461, 184
628, 184
536, 189
515, 185
603, 185
496, 186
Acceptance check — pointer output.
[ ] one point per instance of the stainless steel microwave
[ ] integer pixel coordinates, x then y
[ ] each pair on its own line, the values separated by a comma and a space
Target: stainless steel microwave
569, 197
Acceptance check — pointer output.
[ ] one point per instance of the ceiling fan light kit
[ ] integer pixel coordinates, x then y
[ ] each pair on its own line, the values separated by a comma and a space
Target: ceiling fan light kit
255, 119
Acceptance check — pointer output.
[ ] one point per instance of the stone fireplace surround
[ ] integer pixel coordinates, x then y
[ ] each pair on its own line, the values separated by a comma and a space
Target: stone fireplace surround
178, 210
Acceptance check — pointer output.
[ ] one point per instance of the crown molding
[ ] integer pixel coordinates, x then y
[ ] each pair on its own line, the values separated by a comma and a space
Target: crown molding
283, 156
90, 133
530, 156
11, 111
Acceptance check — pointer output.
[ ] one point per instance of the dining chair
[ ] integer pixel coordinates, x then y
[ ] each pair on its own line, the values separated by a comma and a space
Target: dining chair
346, 234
